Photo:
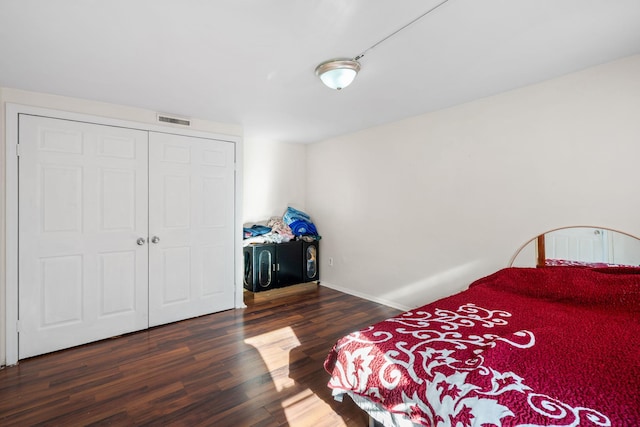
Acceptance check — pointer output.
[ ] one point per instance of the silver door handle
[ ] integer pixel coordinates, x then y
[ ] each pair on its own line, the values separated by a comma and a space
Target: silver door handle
140, 241
155, 239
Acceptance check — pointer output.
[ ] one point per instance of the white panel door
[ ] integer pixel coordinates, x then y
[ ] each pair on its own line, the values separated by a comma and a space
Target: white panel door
82, 206
578, 244
191, 216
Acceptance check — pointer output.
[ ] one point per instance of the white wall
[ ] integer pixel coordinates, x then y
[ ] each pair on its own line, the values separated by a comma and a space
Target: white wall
14, 96
274, 178
415, 210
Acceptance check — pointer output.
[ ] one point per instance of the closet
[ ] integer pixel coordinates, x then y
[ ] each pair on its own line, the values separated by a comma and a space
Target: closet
120, 229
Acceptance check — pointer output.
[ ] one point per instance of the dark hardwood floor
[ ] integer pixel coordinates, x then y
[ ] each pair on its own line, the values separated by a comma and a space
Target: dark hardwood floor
261, 366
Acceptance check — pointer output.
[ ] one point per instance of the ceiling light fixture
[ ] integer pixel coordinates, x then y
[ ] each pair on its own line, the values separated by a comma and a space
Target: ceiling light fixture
340, 73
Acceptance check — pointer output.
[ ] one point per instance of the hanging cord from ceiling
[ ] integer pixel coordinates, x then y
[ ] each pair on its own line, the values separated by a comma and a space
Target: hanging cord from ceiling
400, 29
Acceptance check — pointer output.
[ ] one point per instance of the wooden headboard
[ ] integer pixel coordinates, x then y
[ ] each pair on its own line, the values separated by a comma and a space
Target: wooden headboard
540, 251
579, 245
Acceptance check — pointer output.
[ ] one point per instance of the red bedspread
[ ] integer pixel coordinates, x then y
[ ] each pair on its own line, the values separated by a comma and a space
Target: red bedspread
522, 347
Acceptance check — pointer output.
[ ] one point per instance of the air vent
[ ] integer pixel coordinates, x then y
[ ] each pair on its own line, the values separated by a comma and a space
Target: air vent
174, 120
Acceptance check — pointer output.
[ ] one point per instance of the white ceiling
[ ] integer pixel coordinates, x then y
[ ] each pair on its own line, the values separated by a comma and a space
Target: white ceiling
252, 62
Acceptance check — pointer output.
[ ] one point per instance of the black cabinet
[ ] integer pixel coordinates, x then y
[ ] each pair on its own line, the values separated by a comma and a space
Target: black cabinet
268, 266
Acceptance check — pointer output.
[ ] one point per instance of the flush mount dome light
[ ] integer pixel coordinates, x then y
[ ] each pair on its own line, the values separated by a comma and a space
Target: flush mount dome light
338, 73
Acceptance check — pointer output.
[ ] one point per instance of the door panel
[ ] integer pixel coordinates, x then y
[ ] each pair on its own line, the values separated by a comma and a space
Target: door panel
176, 272
191, 193
61, 289
117, 282
82, 205
213, 270
289, 259
118, 198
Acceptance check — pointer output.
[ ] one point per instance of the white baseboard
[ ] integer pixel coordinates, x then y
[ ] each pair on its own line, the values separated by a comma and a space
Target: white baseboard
365, 296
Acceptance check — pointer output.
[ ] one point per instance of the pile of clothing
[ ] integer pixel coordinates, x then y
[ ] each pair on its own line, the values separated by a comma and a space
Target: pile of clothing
293, 224
256, 230
299, 222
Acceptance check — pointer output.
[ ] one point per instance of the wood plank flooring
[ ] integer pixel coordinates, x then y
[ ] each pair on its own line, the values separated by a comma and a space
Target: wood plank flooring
258, 366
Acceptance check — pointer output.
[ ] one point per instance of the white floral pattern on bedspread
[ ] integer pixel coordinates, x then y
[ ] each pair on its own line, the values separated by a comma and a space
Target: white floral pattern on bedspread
431, 367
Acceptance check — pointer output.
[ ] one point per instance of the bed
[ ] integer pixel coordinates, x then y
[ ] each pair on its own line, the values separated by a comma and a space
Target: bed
546, 346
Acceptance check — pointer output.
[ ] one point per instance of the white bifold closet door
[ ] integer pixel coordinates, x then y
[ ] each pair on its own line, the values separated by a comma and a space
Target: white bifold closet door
82, 206
191, 205
119, 229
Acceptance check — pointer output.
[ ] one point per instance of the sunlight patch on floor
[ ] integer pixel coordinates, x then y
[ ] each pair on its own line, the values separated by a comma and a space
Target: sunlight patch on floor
306, 409
301, 408
274, 347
